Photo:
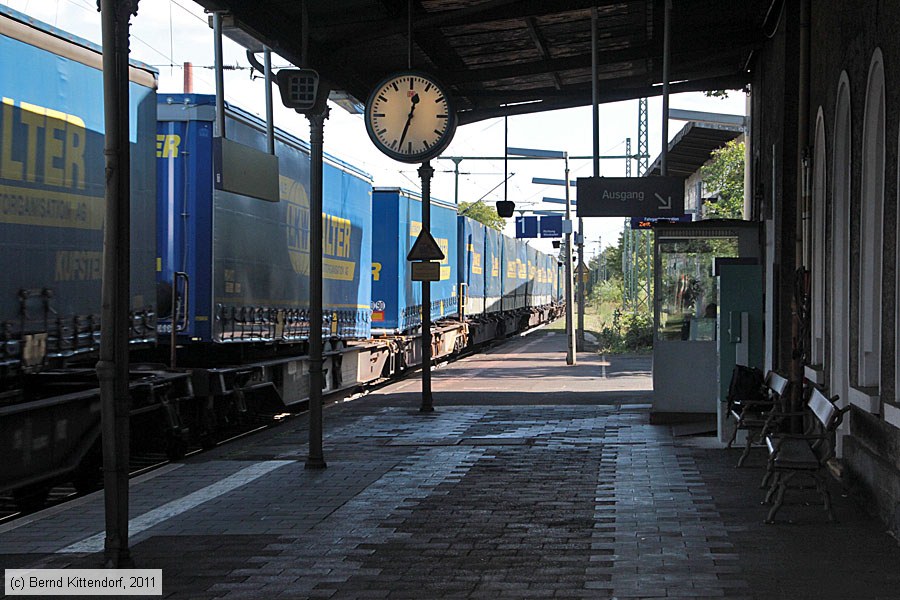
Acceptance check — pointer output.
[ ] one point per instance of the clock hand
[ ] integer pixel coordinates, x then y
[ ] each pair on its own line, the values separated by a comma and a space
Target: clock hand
415, 100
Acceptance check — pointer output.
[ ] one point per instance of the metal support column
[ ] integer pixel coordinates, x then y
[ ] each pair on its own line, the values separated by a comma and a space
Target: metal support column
595, 92
112, 367
426, 172
579, 339
270, 112
667, 51
800, 323
628, 160
570, 326
643, 139
316, 458
595, 110
456, 161
220, 75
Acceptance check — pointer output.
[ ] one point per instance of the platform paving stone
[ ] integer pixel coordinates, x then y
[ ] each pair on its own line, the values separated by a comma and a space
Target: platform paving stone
483, 500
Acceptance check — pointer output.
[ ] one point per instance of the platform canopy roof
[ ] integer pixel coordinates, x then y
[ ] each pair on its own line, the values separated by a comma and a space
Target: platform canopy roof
512, 56
692, 147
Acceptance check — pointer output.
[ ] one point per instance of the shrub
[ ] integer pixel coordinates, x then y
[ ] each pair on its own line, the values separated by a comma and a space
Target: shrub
638, 332
627, 333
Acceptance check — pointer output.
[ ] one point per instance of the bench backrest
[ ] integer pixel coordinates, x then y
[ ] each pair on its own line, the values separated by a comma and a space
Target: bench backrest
825, 411
776, 383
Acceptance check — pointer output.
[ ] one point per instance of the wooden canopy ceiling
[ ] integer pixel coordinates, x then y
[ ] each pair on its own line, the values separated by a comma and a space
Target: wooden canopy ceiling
513, 56
691, 148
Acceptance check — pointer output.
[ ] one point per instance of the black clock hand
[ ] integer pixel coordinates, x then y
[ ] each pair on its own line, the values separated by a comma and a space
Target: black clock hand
415, 100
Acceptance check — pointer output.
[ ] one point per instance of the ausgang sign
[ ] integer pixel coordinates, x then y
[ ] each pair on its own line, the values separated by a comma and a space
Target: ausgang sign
630, 196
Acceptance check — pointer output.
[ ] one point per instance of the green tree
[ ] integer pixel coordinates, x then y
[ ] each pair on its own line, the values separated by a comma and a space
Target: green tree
482, 213
613, 255
724, 176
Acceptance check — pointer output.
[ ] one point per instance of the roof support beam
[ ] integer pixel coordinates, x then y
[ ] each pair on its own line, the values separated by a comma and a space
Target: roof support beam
583, 98
742, 42
538, 40
687, 71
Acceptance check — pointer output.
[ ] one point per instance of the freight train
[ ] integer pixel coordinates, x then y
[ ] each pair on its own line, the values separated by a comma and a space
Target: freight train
220, 268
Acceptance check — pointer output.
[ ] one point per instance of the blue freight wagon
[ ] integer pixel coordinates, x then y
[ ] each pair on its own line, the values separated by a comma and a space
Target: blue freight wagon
559, 289
535, 278
510, 271
396, 299
52, 186
515, 274
550, 265
52, 212
522, 268
493, 271
248, 258
471, 265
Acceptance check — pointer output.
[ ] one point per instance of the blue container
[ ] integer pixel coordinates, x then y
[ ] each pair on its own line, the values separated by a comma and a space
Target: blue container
396, 299
52, 185
514, 273
559, 290
522, 266
247, 258
471, 264
493, 273
535, 278
550, 277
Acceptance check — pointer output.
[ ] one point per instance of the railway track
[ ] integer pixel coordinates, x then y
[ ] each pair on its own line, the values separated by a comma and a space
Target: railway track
11, 508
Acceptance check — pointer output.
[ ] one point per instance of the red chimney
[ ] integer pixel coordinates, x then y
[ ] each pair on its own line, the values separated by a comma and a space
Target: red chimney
188, 78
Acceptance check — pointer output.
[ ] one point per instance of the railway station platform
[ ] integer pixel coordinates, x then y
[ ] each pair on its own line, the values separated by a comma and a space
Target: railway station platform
530, 480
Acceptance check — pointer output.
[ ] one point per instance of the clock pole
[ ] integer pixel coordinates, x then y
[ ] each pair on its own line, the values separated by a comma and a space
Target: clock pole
316, 458
425, 173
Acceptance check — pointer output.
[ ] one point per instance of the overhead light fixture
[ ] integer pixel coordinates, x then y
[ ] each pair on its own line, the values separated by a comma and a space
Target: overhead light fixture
239, 33
347, 101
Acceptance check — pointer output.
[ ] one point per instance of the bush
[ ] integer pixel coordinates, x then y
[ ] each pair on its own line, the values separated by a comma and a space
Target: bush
627, 333
609, 292
638, 332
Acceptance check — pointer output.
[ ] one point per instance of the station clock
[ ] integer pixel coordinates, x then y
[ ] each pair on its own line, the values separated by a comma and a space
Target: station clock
409, 117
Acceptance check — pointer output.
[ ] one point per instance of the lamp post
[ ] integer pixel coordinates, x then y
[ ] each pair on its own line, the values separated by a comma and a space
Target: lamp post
556, 154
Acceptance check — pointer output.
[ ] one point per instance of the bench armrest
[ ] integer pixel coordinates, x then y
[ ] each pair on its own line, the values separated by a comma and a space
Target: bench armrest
781, 437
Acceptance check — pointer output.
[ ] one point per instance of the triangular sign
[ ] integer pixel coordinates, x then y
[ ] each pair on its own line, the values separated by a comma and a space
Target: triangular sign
425, 248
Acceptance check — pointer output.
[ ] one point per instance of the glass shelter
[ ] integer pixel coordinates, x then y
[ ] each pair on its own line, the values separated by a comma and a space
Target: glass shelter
691, 327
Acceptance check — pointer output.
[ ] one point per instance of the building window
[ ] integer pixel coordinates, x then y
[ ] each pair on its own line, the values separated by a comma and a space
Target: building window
817, 351
838, 358
871, 227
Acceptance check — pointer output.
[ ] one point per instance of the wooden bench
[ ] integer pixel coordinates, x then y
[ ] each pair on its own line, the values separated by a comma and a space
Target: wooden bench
803, 454
755, 415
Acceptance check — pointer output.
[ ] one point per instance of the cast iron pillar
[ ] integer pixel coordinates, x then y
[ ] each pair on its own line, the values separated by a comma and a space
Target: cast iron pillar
112, 367
316, 458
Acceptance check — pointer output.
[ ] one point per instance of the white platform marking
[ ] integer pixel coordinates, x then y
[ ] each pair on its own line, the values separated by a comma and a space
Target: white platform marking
95, 543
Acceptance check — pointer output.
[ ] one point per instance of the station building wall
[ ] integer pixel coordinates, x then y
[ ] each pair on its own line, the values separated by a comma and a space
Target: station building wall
851, 237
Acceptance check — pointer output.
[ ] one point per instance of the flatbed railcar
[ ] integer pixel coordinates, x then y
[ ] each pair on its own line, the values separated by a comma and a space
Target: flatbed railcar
507, 286
396, 298
242, 322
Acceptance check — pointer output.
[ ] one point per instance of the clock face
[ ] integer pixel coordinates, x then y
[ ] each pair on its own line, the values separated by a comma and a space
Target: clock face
409, 117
